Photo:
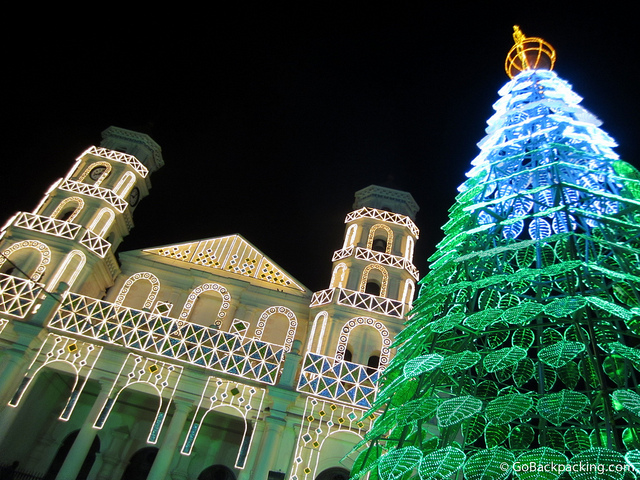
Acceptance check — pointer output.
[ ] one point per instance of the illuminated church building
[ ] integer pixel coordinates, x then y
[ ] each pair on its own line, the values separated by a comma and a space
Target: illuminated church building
201, 360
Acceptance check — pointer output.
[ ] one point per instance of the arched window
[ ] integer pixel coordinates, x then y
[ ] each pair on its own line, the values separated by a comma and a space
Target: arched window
28, 259
102, 222
69, 269
334, 473
216, 472
95, 173
350, 236
209, 310
408, 253
380, 238
282, 332
407, 295
339, 276
140, 464
143, 294
371, 340
318, 331
68, 209
373, 363
124, 184
375, 278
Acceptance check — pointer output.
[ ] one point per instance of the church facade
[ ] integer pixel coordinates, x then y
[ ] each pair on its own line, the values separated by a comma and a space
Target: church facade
201, 360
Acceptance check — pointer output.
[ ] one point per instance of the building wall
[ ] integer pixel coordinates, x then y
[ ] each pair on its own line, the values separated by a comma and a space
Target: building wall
202, 360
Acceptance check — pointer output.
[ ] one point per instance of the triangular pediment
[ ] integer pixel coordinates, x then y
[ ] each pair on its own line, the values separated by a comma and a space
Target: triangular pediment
232, 254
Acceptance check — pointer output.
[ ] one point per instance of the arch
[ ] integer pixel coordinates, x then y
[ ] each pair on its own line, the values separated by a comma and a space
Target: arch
384, 280
356, 322
69, 269
216, 472
339, 276
320, 321
102, 222
94, 178
207, 287
291, 331
140, 276
62, 453
33, 268
68, 209
350, 236
408, 248
140, 464
374, 236
331, 452
124, 184
334, 473
407, 295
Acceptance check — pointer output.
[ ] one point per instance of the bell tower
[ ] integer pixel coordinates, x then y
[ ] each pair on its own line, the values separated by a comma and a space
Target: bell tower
373, 278
355, 320
72, 234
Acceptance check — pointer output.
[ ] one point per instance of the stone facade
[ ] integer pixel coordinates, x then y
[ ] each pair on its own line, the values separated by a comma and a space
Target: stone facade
202, 360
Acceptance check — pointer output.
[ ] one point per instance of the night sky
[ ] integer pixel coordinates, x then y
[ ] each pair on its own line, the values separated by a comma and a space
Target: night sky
271, 118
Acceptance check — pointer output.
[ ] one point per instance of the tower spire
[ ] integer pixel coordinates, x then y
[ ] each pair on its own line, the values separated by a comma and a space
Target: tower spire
528, 53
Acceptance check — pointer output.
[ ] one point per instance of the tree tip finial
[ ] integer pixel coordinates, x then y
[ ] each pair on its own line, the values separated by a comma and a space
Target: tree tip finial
528, 53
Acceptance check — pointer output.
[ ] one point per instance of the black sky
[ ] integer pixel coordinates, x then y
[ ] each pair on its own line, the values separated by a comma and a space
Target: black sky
270, 118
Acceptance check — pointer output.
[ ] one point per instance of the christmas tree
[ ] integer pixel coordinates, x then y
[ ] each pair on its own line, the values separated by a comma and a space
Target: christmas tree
521, 356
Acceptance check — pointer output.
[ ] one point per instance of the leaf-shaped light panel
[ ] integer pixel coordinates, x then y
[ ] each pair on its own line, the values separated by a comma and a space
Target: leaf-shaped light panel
422, 364
459, 362
454, 410
523, 371
561, 406
441, 463
538, 464
414, 410
601, 464
495, 435
491, 464
627, 399
503, 358
507, 408
576, 440
398, 462
558, 354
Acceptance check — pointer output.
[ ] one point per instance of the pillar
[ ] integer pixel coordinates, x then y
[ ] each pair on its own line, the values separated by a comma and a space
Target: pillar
82, 444
161, 464
254, 452
268, 447
11, 374
112, 457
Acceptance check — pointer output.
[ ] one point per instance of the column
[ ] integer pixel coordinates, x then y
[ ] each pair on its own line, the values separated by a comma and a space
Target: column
112, 457
254, 452
269, 447
163, 460
11, 374
82, 444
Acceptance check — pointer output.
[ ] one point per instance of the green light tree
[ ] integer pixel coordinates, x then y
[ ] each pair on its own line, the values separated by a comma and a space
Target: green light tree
521, 358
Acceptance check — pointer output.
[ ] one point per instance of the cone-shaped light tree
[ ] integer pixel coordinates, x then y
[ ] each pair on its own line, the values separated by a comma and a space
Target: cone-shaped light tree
521, 357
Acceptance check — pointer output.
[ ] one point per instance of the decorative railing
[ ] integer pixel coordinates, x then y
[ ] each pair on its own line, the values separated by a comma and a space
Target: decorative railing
105, 194
48, 225
60, 228
338, 380
362, 300
170, 338
17, 295
118, 157
385, 216
377, 257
